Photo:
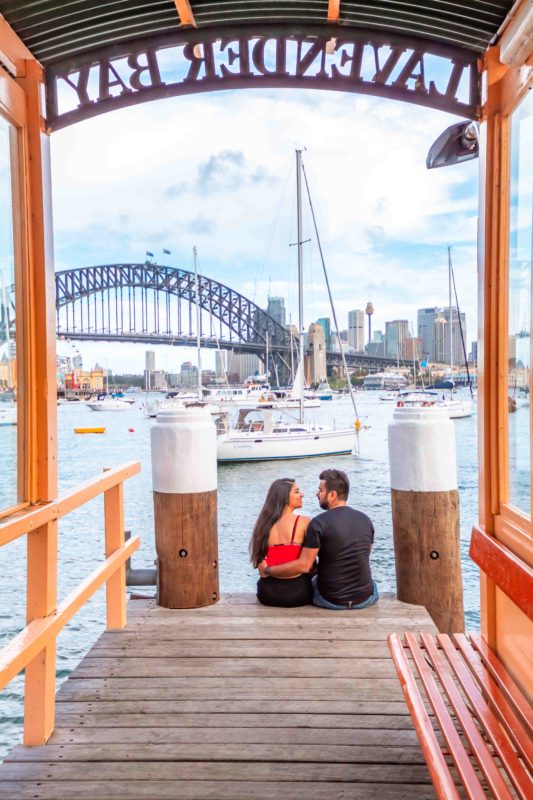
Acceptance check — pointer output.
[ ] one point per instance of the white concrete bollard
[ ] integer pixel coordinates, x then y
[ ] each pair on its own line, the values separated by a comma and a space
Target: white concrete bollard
184, 478
425, 513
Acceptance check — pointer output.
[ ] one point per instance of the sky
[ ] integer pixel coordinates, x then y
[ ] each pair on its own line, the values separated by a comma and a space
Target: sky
216, 171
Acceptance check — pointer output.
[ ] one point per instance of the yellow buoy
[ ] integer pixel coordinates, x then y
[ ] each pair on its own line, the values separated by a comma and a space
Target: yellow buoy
89, 430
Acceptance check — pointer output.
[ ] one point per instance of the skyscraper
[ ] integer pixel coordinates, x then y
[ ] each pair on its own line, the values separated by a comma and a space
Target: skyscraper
356, 330
396, 332
276, 309
426, 330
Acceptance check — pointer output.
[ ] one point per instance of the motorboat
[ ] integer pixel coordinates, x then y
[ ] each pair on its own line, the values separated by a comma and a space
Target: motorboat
175, 400
457, 407
106, 402
388, 396
258, 436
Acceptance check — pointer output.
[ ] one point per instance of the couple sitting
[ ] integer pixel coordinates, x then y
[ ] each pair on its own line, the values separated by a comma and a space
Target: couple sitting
284, 548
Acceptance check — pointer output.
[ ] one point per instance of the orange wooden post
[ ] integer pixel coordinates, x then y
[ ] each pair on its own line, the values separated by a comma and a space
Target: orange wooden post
114, 538
38, 346
40, 675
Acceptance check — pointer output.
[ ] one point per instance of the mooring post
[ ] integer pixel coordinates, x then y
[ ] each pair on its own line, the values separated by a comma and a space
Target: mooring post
184, 475
425, 513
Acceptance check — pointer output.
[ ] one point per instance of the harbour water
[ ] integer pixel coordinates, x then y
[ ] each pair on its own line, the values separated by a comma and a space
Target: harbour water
242, 488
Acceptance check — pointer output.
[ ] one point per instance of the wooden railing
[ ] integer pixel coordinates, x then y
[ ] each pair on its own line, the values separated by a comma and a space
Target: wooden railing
34, 648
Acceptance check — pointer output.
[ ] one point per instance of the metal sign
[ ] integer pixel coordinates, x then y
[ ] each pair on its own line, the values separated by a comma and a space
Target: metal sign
334, 58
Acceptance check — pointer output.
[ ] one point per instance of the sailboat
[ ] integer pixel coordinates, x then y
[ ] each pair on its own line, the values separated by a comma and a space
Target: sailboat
267, 439
457, 407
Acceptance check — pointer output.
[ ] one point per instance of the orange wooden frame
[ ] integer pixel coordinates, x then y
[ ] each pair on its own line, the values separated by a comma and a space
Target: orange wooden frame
34, 648
512, 575
504, 88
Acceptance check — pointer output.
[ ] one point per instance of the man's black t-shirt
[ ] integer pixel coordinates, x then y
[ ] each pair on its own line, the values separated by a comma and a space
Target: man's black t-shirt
344, 537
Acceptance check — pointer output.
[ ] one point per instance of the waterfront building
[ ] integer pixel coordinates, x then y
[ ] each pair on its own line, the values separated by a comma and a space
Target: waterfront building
356, 330
149, 368
472, 358
439, 340
242, 365
458, 322
315, 366
396, 332
425, 330
325, 324
412, 348
189, 375
159, 380
276, 309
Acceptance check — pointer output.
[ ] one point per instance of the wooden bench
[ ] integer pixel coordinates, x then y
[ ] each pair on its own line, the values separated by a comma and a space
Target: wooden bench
481, 736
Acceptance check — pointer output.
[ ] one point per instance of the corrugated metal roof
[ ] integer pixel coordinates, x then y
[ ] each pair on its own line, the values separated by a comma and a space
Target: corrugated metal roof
57, 29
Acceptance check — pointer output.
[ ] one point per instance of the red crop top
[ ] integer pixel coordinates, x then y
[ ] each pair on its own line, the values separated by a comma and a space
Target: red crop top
283, 553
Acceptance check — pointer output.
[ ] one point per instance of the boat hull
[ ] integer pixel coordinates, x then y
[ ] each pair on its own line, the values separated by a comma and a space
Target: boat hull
270, 447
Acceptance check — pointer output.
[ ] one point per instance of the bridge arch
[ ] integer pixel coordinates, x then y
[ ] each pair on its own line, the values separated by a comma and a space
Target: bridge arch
123, 301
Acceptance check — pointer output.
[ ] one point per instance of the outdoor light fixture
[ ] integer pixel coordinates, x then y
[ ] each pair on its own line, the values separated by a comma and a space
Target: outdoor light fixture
456, 144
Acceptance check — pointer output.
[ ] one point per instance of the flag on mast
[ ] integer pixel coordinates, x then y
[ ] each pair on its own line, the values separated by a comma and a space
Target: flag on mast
166, 252
149, 254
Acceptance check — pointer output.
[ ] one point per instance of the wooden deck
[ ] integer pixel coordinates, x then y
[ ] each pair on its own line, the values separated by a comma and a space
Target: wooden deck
232, 702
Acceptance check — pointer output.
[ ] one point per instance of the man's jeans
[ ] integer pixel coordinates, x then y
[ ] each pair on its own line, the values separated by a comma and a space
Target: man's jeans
318, 600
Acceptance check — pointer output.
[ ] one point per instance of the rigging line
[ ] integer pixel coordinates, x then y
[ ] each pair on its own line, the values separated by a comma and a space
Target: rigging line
334, 313
461, 332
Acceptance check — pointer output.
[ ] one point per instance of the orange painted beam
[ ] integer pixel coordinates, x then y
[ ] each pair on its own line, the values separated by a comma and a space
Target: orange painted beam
334, 10
114, 541
30, 642
13, 52
185, 13
512, 575
36, 516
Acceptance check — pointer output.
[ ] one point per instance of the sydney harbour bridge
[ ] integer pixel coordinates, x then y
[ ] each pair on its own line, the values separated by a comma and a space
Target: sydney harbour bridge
154, 304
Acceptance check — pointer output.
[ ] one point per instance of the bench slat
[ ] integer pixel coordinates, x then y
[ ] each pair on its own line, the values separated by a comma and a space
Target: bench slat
455, 744
496, 699
491, 727
514, 696
437, 766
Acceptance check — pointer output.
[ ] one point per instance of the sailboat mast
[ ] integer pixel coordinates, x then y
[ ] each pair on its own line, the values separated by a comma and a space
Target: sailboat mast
300, 276
197, 294
451, 318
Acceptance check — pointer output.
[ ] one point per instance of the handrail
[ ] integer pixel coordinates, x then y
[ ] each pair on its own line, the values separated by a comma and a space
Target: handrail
34, 648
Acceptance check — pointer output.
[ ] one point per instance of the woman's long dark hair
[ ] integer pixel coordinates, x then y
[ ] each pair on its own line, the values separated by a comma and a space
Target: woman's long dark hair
276, 502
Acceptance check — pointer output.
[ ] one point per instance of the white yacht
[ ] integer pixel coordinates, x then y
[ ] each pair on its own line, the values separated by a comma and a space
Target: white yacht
457, 407
106, 402
266, 439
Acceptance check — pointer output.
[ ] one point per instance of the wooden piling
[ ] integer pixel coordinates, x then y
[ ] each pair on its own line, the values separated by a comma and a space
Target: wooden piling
425, 514
184, 472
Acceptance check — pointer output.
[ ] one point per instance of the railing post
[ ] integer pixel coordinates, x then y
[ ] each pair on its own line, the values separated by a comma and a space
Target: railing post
40, 675
114, 538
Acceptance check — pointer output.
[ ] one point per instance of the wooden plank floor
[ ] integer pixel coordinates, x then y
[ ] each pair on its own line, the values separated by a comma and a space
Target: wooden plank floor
232, 702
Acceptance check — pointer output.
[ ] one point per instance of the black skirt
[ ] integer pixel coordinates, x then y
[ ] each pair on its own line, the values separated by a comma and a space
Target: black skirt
286, 593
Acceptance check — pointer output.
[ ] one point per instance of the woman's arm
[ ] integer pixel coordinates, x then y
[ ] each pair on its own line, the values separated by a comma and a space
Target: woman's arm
303, 564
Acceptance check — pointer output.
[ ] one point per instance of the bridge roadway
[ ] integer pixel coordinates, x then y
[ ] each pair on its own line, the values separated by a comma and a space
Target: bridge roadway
333, 359
236, 701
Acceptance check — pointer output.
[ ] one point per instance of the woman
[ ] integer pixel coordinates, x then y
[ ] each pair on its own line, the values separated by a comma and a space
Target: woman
278, 537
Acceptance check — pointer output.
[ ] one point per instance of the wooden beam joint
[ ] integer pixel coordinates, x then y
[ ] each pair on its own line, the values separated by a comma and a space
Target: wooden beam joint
185, 13
334, 11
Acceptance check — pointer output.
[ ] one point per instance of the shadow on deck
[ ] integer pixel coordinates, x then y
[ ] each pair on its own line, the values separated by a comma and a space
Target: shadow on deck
232, 702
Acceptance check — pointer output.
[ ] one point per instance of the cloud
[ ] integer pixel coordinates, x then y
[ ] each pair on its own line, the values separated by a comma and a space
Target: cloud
217, 171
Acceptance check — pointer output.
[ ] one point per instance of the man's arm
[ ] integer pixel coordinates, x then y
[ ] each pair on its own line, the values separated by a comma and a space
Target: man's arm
304, 563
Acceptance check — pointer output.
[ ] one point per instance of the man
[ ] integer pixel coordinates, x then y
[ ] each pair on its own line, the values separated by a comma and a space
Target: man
342, 538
